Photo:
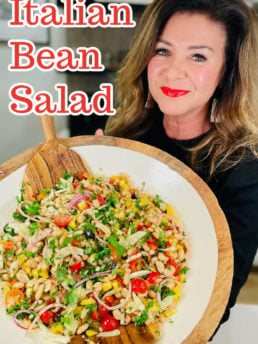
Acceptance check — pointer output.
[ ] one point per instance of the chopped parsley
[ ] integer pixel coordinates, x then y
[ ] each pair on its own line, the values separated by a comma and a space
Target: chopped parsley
143, 316
120, 250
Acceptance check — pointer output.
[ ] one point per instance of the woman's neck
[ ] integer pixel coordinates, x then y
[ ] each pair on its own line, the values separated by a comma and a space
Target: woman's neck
185, 128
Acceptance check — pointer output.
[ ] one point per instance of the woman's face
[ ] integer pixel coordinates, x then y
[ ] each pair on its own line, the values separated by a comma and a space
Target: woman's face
187, 65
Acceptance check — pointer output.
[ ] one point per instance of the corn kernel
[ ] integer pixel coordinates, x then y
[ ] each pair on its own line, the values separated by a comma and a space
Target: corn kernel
73, 224
170, 210
124, 185
91, 333
35, 273
182, 278
155, 307
176, 289
26, 268
78, 310
116, 285
176, 298
128, 203
21, 258
43, 273
6, 289
168, 313
57, 328
106, 286
164, 220
122, 216
144, 201
86, 302
82, 205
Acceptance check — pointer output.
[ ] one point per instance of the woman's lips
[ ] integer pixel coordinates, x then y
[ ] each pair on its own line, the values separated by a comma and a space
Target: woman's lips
170, 92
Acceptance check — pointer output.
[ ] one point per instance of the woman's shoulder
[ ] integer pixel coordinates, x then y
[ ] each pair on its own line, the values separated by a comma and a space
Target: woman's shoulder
242, 177
246, 170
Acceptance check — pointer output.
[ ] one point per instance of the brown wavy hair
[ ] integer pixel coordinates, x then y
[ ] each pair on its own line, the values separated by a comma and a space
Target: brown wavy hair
234, 132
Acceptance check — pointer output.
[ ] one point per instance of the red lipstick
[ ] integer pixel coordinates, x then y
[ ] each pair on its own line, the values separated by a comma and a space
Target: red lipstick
171, 92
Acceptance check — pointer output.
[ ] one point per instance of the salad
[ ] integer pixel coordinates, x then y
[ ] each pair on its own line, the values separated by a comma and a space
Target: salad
90, 255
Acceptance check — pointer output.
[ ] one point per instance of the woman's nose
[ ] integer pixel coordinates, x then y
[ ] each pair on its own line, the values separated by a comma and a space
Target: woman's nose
176, 68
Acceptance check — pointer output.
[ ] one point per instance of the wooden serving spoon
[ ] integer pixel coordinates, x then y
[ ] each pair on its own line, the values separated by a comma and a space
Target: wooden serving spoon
49, 164
129, 334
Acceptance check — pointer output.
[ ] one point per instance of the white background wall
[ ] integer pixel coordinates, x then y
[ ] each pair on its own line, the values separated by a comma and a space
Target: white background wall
18, 133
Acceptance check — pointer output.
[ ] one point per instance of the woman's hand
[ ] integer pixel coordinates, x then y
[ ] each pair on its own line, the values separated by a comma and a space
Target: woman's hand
99, 132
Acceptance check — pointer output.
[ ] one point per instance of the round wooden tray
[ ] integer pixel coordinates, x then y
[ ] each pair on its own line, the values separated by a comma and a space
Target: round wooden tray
218, 301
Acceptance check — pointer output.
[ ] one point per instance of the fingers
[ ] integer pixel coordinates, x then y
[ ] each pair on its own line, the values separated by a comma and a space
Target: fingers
99, 132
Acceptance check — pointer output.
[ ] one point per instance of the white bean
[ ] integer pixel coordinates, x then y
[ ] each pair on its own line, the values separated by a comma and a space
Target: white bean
82, 328
124, 292
6, 277
83, 313
89, 285
160, 267
18, 285
22, 276
180, 255
117, 314
98, 286
39, 292
127, 278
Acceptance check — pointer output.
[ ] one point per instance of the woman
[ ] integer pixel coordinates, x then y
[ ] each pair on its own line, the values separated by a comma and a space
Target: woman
187, 87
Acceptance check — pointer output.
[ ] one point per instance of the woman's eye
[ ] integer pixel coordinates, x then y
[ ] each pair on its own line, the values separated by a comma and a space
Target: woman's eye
161, 51
199, 58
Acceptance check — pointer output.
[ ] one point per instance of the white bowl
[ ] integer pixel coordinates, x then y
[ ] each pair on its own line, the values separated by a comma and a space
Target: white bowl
174, 189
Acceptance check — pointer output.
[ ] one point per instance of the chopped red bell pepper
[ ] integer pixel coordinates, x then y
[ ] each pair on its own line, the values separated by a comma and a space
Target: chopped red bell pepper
100, 199
76, 267
137, 264
173, 264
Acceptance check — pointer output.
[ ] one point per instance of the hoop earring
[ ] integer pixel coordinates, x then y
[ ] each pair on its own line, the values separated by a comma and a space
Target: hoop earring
149, 102
213, 117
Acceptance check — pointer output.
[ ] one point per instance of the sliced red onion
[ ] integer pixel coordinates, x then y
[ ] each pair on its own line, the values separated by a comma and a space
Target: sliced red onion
40, 235
19, 312
43, 233
77, 199
121, 304
103, 273
163, 281
81, 282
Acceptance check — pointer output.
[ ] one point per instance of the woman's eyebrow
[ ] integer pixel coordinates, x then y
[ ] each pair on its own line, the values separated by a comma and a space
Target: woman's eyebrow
200, 46
164, 41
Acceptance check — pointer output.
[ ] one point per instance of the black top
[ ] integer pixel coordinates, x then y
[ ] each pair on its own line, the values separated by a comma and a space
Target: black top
237, 192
